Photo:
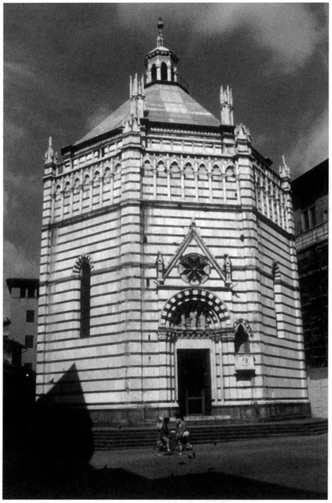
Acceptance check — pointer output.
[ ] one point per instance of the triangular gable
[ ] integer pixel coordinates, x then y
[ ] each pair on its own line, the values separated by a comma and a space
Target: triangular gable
194, 236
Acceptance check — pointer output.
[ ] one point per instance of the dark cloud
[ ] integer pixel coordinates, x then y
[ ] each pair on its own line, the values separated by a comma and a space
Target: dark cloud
67, 66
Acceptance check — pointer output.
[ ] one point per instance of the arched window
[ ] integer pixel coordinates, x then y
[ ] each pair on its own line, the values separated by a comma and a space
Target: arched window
189, 181
85, 298
66, 200
241, 342
76, 196
57, 202
203, 183
153, 73
175, 176
148, 181
161, 180
96, 189
231, 186
163, 71
217, 184
117, 182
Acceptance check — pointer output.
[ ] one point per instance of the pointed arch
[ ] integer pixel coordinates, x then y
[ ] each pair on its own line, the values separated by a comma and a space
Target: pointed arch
230, 171
117, 182
175, 180
217, 184
76, 185
231, 184
203, 183
107, 184
163, 71
86, 187
76, 195
161, 179
58, 195
148, 179
189, 181
66, 198
107, 174
241, 339
153, 72
95, 187
202, 165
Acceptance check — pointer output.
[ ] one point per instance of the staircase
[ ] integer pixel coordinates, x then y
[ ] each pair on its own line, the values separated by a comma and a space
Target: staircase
111, 438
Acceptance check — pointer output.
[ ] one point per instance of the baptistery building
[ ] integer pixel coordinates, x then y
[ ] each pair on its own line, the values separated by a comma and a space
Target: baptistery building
168, 277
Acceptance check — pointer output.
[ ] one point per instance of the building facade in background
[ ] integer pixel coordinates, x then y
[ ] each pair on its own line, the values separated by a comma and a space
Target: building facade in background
23, 325
168, 273
310, 199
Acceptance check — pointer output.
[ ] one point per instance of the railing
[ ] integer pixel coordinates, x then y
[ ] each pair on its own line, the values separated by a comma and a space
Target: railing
195, 404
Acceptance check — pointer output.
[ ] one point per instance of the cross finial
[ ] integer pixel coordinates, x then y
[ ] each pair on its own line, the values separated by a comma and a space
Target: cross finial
160, 25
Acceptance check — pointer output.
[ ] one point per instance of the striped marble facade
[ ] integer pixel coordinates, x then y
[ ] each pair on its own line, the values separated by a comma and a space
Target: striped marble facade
187, 236
120, 207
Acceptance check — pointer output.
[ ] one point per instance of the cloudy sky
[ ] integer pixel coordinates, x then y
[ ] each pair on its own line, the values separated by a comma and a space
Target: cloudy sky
67, 66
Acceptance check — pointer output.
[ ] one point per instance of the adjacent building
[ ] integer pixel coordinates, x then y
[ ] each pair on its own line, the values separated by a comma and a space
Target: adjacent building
23, 325
310, 199
168, 275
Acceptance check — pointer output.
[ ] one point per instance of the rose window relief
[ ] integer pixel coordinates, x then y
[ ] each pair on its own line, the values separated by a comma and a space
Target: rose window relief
194, 269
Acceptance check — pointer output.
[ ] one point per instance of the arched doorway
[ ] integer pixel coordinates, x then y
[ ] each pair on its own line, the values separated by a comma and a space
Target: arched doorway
192, 320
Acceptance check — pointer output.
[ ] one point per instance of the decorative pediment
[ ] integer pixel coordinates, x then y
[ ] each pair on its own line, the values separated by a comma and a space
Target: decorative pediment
193, 236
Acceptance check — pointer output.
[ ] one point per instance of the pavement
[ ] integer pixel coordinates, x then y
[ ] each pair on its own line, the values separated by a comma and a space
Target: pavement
277, 468
270, 468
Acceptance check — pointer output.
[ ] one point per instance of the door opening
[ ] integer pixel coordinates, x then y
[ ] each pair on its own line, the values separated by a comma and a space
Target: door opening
194, 381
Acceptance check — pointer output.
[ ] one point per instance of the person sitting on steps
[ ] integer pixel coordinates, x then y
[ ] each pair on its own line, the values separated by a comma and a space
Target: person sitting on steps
164, 433
182, 433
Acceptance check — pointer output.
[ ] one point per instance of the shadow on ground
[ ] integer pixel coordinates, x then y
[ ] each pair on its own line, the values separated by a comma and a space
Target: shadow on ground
81, 482
48, 448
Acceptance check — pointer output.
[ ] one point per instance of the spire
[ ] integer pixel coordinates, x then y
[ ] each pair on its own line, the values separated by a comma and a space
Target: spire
136, 97
50, 155
160, 38
284, 170
226, 106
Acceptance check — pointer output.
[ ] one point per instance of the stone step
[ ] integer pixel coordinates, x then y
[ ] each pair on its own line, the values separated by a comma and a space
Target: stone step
115, 438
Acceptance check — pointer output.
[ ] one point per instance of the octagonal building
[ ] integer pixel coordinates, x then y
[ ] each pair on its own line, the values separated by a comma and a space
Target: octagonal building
168, 277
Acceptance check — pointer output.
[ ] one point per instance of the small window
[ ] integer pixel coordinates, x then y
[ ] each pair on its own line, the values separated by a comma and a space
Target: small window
30, 316
31, 292
306, 220
29, 341
22, 292
313, 216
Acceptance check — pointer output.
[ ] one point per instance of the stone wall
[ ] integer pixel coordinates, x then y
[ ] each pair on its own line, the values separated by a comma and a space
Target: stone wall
318, 391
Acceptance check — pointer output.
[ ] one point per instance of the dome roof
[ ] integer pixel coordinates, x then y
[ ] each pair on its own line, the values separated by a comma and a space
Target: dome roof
163, 103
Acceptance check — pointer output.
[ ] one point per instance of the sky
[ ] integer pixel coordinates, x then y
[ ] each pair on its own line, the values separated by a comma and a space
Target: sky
67, 67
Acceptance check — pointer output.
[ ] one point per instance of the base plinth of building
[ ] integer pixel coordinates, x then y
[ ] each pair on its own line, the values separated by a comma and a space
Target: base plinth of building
238, 413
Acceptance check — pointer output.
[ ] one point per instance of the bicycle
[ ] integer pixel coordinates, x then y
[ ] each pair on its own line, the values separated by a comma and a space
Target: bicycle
160, 449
